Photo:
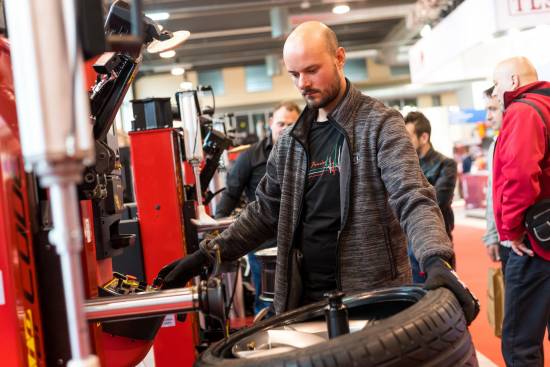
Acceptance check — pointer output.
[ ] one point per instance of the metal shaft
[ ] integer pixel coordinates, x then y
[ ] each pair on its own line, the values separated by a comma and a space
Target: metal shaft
198, 188
146, 304
67, 238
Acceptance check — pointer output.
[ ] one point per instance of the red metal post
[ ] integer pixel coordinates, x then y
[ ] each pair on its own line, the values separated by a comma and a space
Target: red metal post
159, 190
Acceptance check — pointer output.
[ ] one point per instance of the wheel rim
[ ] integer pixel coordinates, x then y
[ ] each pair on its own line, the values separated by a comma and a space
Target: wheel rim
308, 327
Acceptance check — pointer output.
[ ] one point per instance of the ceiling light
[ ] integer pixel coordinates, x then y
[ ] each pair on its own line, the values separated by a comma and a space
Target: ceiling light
158, 16
167, 54
177, 39
426, 30
305, 4
340, 9
177, 71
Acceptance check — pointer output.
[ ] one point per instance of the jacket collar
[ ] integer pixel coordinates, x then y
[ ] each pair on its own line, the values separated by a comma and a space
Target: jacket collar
514, 94
429, 154
267, 143
345, 109
342, 115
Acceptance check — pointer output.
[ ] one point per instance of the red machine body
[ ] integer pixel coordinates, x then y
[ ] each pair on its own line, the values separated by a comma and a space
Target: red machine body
22, 332
21, 328
159, 181
159, 190
114, 351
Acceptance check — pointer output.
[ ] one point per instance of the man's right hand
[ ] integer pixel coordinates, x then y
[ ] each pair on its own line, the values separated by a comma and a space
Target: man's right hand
439, 273
179, 272
492, 251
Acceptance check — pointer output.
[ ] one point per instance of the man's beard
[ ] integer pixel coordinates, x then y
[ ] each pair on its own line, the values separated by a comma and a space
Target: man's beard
327, 96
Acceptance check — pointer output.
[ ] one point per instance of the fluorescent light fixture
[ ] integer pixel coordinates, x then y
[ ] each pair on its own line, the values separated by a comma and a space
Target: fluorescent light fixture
426, 30
177, 71
341, 9
158, 16
167, 54
362, 53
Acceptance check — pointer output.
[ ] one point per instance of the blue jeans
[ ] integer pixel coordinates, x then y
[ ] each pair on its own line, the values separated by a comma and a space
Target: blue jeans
415, 267
256, 271
526, 310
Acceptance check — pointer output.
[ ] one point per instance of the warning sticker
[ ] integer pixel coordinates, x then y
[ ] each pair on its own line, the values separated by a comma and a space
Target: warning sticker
87, 231
169, 321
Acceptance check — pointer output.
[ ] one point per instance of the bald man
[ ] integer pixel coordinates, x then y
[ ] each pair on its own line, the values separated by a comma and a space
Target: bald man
336, 189
521, 178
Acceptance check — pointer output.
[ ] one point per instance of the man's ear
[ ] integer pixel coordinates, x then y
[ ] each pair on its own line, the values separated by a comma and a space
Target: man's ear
341, 56
515, 81
425, 138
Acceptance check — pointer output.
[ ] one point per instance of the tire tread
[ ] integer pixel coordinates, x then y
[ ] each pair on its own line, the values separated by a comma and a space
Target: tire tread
432, 332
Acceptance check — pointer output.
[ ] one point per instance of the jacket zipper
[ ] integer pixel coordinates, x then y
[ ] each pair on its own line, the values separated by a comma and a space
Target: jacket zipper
387, 240
289, 252
346, 209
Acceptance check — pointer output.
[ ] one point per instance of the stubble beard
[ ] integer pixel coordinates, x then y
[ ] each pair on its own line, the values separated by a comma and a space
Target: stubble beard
327, 96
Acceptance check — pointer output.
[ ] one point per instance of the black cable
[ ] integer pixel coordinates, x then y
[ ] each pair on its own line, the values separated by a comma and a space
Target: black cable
228, 308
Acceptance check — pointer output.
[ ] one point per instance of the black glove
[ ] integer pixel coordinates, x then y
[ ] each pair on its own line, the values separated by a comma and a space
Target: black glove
179, 272
440, 274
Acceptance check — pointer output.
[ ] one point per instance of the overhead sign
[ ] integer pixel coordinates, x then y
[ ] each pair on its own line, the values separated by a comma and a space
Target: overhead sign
521, 13
524, 7
447, 54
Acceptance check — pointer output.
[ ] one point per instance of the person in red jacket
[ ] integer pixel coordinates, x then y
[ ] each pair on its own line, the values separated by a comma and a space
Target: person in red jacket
521, 178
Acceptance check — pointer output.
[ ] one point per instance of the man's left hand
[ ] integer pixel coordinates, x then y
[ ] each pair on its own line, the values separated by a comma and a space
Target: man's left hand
440, 274
520, 248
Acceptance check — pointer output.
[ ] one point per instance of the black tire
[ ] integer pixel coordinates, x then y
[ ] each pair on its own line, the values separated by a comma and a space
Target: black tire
412, 328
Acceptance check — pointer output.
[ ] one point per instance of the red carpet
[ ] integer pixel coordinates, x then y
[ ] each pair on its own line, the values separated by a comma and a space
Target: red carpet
472, 264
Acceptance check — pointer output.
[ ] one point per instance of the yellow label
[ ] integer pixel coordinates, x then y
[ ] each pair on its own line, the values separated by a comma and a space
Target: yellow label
29, 338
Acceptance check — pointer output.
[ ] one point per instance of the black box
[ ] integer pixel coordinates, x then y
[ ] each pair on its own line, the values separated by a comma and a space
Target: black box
151, 113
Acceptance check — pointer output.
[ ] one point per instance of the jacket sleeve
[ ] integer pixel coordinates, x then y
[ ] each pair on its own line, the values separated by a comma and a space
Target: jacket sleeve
237, 179
491, 235
445, 184
521, 147
410, 195
258, 221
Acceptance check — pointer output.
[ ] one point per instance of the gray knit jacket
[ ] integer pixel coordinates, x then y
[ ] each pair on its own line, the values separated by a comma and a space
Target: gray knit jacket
381, 187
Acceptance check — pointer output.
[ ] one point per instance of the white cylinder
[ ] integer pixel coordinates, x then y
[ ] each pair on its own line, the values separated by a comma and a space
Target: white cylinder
52, 103
191, 127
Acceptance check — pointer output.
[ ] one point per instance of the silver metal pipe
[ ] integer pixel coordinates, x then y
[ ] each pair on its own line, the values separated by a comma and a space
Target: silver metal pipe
145, 304
197, 172
221, 224
67, 239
